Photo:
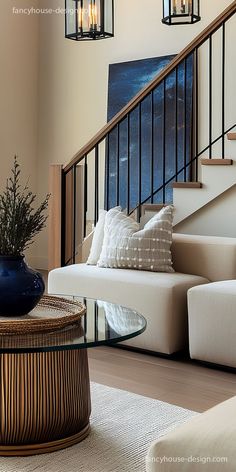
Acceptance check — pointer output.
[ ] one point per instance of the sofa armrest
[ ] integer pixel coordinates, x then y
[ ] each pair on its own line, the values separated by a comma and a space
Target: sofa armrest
208, 256
204, 443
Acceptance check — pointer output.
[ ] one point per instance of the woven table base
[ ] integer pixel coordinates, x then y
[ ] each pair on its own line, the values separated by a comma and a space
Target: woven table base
45, 401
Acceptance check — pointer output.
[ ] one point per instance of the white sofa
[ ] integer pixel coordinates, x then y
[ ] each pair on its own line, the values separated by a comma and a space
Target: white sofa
212, 323
205, 443
160, 297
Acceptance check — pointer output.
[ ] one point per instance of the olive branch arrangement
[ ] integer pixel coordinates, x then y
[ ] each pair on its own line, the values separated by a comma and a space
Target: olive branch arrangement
19, 221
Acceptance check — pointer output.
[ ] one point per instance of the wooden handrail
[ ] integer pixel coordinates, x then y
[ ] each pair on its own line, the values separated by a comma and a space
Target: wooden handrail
197, 42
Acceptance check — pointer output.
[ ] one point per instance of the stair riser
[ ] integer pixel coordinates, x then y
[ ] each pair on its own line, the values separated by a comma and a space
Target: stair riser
215, 179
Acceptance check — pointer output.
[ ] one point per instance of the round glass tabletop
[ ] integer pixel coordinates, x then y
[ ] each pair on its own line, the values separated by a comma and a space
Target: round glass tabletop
103, 324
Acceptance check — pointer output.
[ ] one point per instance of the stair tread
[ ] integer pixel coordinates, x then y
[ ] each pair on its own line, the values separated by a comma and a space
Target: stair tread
231, 136
187, 185
216, 162
153, 206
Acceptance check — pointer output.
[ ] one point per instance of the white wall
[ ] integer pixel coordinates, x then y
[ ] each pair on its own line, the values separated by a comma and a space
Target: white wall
74, 76
18, 91
218, 218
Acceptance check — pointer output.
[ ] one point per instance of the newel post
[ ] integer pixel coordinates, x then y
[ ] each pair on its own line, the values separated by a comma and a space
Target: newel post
54, 219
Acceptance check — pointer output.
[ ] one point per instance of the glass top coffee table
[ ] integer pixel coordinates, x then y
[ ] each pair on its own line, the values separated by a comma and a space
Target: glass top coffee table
45, 390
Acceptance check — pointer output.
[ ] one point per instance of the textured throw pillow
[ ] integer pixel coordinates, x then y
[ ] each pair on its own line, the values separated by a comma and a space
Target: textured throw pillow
97, 241
125, 246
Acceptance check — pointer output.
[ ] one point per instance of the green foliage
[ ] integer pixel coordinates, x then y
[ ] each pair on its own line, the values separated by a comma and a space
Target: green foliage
19, 221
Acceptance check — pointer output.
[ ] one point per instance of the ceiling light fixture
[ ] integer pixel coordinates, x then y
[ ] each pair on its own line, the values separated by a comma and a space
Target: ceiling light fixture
89, 19
180, 12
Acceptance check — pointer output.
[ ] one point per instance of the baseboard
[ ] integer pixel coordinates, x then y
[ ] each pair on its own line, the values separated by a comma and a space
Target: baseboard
179, 355
176, 356
212, 365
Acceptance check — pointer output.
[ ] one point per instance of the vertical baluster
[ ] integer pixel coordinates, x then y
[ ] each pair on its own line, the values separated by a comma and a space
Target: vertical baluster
128, 163
223, 91
139, 160
118, 167
185, 120
85, 194
164, 143
192, 130
74, 214
152, 147
210, 97
96, 190
63, 218
196, 112
107, 170
176, 124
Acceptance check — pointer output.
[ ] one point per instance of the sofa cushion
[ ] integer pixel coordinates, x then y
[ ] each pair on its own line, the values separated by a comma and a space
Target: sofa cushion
125, 245
159, 296
212, 322
206, 443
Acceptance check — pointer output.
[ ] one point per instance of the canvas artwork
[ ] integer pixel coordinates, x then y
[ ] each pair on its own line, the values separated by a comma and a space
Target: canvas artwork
125, 81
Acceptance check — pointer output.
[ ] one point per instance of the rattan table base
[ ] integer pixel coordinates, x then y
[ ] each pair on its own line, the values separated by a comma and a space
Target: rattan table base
45, 401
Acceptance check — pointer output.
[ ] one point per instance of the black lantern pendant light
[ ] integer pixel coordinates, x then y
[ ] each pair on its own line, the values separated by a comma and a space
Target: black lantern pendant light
89, 19
180, 12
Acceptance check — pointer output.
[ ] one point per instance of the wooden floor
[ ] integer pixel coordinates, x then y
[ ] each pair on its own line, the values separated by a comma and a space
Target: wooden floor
180, 382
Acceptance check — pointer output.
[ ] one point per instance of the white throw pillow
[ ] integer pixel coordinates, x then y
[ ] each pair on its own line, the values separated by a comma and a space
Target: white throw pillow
125, 246
98, 235
97, 241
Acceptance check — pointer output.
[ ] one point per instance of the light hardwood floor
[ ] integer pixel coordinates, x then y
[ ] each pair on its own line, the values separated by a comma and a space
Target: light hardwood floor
180, 382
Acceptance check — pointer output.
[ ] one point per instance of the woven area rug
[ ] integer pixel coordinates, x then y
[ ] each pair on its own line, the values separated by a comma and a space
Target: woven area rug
123, 427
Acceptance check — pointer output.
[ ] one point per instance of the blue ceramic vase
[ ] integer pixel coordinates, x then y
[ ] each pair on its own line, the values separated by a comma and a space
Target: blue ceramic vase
20, 286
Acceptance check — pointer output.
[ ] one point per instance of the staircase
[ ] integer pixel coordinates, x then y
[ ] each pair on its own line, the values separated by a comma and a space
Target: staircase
217, 176
205, 169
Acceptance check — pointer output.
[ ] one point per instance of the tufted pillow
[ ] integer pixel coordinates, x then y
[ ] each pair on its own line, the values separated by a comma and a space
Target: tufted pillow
126, 246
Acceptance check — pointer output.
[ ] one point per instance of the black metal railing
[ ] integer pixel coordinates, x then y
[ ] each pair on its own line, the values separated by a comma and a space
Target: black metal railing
155, 141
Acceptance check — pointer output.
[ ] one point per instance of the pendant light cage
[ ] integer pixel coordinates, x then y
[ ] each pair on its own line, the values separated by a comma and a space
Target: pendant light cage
180, 12
89, 19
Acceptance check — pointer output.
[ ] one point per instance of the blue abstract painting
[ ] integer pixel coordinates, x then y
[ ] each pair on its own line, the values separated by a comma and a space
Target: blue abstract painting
144, 150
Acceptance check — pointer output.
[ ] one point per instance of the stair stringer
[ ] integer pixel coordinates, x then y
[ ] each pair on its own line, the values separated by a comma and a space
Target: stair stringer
215, 181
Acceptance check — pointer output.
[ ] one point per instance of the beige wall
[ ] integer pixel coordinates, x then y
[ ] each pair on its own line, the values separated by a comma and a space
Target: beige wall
18, 91
74, 76
53, 92
218, 218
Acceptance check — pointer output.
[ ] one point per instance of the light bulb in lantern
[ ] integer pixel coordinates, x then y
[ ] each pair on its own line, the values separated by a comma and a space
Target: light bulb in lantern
185, 6
80, 17
93, 16
174, 7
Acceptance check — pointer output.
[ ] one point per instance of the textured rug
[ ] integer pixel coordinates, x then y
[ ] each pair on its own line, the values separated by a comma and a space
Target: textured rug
123, 427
